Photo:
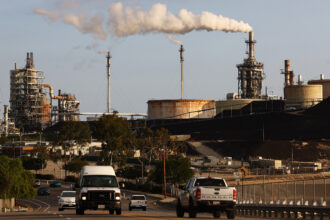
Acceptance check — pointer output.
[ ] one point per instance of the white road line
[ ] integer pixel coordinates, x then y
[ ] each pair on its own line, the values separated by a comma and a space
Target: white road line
48, 206
30, 201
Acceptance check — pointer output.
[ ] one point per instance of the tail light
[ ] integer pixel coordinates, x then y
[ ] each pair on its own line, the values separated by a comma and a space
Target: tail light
117, 196
198, 193
234, 194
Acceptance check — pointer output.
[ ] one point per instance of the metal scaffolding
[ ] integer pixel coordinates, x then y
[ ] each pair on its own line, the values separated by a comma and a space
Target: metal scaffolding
250, 74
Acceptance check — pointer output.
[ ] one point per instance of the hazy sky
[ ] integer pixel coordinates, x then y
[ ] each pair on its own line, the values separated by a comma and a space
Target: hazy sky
147, 66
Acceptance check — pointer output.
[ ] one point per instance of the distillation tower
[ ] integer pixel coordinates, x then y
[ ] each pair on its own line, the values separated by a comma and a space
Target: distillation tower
250, 74
30, 108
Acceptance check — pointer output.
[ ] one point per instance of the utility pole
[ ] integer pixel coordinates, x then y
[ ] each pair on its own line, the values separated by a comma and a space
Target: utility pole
164, 173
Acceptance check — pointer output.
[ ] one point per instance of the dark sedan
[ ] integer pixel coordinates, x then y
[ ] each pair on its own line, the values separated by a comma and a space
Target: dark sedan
55, 184
43, 191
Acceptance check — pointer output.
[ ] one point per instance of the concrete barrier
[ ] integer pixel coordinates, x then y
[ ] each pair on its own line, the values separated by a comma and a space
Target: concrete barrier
7, 204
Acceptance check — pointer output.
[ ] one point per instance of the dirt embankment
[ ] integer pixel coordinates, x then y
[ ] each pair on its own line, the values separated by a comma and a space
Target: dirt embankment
282, 150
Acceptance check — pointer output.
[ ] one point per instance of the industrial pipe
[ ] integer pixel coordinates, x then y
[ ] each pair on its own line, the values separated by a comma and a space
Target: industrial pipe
251, 43
6, 119
56, 97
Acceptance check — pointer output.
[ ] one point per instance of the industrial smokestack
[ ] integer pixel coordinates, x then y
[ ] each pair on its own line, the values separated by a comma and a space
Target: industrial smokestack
181, 60
287, 72
251, 43
108, 75
6, 119
300, 82
31, 58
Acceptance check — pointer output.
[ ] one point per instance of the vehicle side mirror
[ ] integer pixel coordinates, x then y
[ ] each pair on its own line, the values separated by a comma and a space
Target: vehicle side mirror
76, 186
122, 185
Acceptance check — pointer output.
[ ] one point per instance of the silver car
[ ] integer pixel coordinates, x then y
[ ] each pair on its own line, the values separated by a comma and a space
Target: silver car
138, 202
67, 200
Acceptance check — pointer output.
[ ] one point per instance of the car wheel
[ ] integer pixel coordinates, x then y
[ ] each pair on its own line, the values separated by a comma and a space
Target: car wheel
144, 208
111, 211
230, 214
130, 208
216, 214
179, 210
192, 211
60, 209
118, 211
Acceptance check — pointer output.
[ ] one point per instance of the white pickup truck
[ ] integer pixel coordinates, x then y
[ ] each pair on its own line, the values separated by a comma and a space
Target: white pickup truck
207, 194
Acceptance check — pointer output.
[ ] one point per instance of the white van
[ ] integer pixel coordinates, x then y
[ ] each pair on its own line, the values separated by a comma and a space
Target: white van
98, 189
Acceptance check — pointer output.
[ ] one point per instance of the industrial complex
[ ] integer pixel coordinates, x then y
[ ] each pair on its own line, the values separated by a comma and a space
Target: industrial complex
34, 106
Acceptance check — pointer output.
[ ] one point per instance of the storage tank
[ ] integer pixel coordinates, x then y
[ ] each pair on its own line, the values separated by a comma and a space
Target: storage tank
325, 85
302, 96
181, 108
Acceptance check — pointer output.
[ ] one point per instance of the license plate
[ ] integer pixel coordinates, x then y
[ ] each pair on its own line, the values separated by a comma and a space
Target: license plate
101, 206
216, 202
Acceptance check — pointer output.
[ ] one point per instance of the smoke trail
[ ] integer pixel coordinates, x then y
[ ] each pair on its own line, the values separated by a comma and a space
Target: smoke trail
129, 21
103, 51
170, 37
82, 22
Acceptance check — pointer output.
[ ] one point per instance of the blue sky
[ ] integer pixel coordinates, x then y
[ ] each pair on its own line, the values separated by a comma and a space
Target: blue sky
147, 66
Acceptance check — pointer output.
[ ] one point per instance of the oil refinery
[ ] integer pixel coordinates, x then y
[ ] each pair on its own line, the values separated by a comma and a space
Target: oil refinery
34, 106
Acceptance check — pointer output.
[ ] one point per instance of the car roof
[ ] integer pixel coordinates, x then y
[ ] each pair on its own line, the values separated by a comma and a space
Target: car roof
69, 191
98, 170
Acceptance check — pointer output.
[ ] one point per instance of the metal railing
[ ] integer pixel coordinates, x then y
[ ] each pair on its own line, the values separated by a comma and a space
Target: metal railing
314, 192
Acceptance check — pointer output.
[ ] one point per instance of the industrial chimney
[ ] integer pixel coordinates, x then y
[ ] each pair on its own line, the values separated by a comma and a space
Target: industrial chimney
288, 74
181, 60
251, 43
108, 75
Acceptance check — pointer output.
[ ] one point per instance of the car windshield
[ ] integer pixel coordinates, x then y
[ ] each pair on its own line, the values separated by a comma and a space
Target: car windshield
138, 198
68, 194
210, 182
99, 181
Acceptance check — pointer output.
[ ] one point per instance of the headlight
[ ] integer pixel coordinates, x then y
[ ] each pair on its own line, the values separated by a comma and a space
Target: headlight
84, 196
61, 200
117, 196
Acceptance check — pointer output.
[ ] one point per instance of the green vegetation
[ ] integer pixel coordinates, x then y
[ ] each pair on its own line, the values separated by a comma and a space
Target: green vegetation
75, 165
177, 171
15, 181
117, 139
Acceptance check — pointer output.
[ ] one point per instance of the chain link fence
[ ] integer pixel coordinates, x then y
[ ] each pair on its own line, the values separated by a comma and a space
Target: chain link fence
297, 192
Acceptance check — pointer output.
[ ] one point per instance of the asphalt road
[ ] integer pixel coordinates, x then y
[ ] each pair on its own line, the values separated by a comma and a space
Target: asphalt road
46, 207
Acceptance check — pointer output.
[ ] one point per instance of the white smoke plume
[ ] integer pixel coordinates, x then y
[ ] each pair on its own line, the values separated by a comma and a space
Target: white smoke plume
170, 37
103, 51
130, 21
83, 23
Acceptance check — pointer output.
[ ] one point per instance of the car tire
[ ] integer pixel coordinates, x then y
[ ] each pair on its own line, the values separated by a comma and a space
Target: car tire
111, 211
118, 211
216, 214
179, 210
230, 214
130, 208
60, 209
144, 208
192, 210
80, 211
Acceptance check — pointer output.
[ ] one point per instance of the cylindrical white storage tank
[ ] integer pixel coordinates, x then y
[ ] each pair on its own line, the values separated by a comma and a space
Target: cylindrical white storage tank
181, 108
303, 96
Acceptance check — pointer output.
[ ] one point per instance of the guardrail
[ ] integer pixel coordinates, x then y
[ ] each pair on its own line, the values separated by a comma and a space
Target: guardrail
283, 211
